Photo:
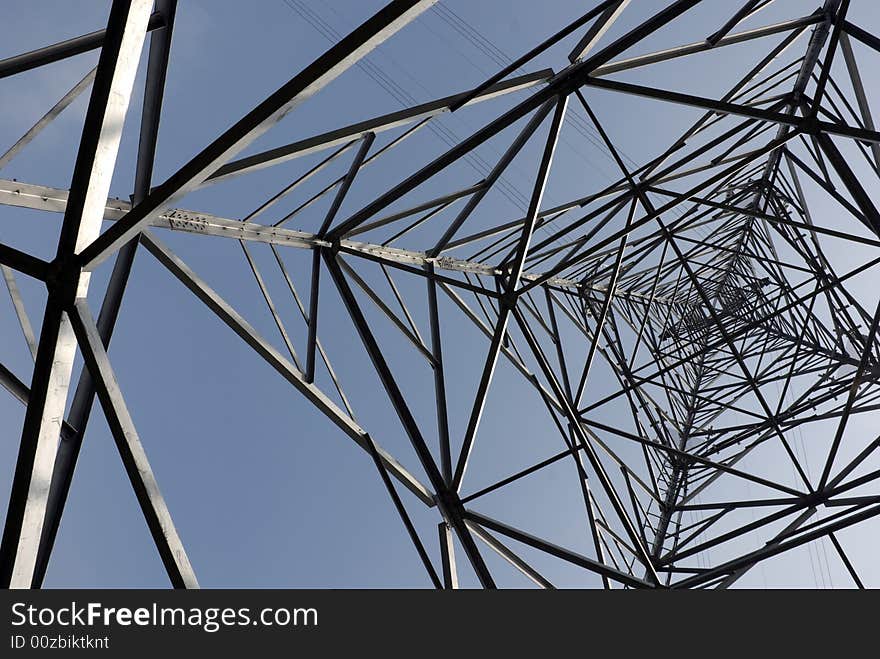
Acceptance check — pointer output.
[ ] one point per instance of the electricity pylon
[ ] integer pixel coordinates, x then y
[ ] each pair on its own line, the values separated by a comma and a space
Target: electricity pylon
705, 282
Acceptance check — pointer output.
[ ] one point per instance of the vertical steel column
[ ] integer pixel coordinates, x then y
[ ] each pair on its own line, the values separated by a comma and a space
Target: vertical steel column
102, 130
447, 556
84, 396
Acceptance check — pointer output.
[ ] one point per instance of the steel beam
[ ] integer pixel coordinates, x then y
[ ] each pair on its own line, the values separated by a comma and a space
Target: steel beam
84, 395
302, 86
93, 171
140, 474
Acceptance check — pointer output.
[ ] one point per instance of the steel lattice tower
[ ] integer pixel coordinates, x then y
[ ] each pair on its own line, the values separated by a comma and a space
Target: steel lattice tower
700, 280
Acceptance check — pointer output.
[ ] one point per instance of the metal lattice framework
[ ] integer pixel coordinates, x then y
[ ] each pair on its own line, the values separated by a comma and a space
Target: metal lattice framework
699, 280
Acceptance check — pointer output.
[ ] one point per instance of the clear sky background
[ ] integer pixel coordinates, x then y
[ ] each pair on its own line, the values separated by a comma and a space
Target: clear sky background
264, 490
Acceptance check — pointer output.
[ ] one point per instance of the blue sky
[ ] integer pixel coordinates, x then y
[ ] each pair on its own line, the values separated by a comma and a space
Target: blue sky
265, 492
